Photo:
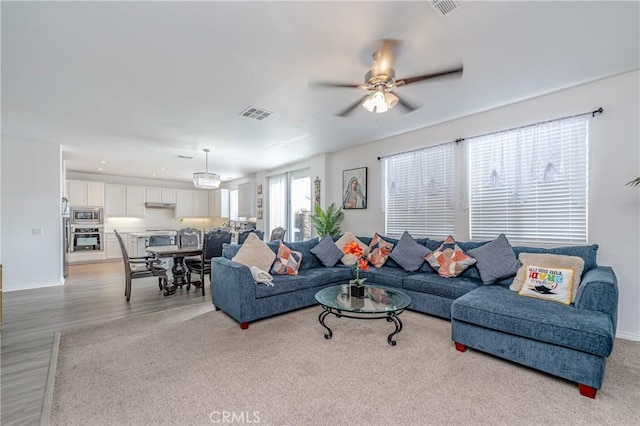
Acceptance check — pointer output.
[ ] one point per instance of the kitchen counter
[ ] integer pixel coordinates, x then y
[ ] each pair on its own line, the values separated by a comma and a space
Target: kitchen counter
146, 234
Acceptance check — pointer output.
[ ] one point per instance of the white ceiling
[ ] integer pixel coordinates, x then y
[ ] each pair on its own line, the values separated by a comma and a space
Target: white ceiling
137, 83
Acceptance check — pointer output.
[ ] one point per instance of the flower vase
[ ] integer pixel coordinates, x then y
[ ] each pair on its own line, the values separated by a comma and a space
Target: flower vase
357, 291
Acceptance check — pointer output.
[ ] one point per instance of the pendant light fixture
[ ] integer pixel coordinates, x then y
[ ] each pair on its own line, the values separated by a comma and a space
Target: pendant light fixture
206, 180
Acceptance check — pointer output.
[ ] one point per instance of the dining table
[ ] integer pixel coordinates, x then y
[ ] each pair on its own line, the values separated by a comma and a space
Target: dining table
178, 253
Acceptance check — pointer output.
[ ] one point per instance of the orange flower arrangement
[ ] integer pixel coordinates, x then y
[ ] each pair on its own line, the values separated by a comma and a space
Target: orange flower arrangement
354, 248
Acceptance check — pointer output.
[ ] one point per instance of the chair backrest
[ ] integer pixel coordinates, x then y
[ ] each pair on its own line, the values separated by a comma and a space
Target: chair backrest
125, 255
159, 240
188, 237
213, 241
242, 235
278, 233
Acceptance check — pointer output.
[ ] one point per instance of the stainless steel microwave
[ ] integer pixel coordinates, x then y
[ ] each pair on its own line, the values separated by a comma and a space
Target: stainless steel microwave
86, 215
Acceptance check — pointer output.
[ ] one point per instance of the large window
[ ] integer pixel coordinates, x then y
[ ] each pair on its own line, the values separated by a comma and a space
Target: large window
419, 192
530, 183
290, 204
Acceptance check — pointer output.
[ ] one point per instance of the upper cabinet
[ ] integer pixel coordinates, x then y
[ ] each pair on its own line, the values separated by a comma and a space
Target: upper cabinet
85, 193
124, 200
246, 203
192, 203
219, 203
161, 195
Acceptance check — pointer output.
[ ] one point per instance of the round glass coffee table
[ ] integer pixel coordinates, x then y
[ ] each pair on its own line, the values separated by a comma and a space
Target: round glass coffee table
378, 303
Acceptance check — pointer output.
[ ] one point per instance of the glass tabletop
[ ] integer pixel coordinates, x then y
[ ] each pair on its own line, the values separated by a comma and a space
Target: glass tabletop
376, 300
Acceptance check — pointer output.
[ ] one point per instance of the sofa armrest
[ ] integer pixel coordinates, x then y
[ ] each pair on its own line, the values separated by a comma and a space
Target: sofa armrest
598, 291
232, 288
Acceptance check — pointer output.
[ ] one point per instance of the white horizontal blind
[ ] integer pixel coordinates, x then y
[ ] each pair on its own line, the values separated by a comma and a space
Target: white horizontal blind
531, 183
419, 195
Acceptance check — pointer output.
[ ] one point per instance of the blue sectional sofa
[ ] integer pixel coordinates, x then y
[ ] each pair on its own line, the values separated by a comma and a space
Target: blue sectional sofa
572, 342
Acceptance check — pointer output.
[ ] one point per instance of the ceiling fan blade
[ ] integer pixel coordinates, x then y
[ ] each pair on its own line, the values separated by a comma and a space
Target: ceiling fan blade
383, 58
405, 81
347, 111
406, 105
331, 84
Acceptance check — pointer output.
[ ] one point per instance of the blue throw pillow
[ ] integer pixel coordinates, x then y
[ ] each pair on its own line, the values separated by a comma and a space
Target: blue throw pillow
327, 251
495, 260
408, 253
309, 260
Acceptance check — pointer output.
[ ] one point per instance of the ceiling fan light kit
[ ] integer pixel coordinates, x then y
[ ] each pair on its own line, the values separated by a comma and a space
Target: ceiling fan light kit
381, 80
206, 180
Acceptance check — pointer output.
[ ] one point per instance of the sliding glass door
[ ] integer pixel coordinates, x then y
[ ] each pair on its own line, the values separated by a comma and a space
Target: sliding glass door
290, 204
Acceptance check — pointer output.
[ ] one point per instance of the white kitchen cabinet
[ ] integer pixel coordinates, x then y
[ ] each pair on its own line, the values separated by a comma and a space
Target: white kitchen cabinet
161, 195
246, 200
135, 201
85, 193
201, 203
113, 250
184, 203
219, 203
124, 201
115, 200
191, 203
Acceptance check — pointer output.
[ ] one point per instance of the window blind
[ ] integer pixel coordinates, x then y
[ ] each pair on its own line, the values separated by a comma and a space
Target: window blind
419, 192
530, 183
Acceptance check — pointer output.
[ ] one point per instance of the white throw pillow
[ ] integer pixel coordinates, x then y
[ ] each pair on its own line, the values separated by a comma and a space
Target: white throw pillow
255, 252
350, 259
549, 262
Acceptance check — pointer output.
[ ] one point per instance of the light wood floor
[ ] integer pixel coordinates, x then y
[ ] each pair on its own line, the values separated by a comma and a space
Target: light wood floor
92, 294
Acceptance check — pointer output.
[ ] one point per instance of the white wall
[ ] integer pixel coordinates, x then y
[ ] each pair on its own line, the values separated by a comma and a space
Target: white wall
31, 193
614, 209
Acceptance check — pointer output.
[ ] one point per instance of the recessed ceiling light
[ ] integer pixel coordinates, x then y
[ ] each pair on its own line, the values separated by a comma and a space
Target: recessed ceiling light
163, 169
99, 169
153, 174
103, 162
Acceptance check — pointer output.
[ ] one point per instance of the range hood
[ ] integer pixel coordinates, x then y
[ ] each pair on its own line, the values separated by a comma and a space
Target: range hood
160, 205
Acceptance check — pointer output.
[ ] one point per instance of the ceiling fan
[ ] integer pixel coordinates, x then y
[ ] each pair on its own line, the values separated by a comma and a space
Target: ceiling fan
381, 80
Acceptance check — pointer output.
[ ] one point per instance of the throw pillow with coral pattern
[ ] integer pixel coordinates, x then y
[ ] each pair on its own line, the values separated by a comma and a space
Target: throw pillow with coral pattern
379, 251
449, 259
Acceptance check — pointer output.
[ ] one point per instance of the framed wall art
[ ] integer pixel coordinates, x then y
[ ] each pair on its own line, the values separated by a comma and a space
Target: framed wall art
354, 187
259, 214
259, 202
259, 189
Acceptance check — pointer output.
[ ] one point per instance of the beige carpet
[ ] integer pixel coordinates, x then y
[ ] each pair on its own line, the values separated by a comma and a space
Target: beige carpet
193, 365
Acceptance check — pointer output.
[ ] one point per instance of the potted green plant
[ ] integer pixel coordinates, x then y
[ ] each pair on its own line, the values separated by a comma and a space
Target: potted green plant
326, 222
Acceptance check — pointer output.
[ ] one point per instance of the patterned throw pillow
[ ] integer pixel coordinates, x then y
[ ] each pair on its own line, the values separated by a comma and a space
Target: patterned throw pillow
553, 284
379, 251
287, 261
350, 259
449, 259
551, 262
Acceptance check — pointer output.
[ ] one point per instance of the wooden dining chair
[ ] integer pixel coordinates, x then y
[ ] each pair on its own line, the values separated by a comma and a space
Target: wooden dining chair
141, 267
242, 235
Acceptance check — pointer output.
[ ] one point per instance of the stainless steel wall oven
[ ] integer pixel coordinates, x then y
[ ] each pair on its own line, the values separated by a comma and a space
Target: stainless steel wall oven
86, 238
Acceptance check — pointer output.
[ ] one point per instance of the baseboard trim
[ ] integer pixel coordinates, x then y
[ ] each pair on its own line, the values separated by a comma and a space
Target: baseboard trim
47, 399
628, 336
30, 286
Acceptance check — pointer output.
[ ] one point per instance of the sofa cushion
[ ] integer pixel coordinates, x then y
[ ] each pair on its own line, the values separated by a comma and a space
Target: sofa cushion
408, 253
254, 252
350, 259
392, 277
440, 286
449, 259
309, 260
287, 261
379, 251
327, 251
550, 261
587, 253
282, 284
324, 276
499, 309
495, 260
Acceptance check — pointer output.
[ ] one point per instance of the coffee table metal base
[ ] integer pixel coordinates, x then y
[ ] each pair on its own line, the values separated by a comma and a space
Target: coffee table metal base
390, 316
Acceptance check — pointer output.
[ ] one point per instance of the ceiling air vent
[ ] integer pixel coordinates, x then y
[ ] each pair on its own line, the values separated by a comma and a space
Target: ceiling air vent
445, 7
255, 113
